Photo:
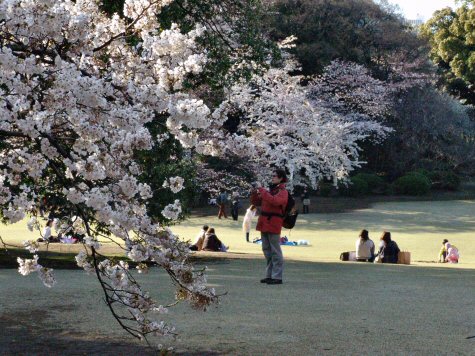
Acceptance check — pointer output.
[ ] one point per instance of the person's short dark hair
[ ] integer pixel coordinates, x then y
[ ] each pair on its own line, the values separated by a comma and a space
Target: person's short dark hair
386, 237
364, 234
252, 207
281, 174
445, 241
210, 230
205, 227
49, 222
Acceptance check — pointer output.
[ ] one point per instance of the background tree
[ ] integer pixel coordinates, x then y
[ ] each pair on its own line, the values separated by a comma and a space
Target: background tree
281, 127
432, 131
358, 31
451, 34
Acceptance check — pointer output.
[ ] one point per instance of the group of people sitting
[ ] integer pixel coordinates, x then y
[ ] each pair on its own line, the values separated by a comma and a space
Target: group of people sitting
48, 236
389, 250
207, 240
365, 249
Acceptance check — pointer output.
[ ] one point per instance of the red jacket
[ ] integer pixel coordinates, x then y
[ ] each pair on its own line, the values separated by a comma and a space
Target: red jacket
273, 202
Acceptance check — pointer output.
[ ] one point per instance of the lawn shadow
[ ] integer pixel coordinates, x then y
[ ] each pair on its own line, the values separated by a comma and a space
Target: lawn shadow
428, 217
32, 333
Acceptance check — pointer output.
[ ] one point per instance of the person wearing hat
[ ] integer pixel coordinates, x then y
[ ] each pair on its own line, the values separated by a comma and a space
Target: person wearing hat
272, 202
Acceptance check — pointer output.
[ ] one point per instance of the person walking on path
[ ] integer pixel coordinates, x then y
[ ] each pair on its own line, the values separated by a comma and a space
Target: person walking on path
235, 204
305, 200
273, 203
247, 222
221, 201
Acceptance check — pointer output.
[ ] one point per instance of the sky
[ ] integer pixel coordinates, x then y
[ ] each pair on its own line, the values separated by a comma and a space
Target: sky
424, 8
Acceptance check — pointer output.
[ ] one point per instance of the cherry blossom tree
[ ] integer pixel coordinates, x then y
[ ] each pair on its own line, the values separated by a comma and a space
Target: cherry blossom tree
77, 89
284, 125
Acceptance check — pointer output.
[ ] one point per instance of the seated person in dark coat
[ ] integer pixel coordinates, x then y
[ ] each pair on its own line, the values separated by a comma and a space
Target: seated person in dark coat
211, 242
389, 250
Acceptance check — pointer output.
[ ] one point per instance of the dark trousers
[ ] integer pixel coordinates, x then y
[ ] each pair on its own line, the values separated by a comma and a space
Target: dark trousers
235, 213
247, 236
305, 209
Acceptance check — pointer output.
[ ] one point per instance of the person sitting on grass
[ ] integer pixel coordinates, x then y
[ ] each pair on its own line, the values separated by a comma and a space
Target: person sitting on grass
452, 253
443, 252
212, 243
47, 234
364, 248
389, 250
198, 244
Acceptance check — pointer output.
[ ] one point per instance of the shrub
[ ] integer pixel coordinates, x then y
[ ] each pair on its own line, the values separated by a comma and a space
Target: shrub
325, 189
376, 184
444, 180
412, 184
357, 186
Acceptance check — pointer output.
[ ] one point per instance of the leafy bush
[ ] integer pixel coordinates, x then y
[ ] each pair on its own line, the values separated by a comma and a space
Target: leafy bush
444, 180
325, 189
357, 186
376, 184
412, 184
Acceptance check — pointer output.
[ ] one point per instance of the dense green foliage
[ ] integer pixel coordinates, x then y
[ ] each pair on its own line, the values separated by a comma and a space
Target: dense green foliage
414, 183
353, 30
445, 180
432, 131
164, 160
451, 34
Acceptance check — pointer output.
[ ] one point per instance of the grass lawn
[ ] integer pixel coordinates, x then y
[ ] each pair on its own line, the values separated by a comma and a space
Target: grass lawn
324, 307
418, 227
321, 309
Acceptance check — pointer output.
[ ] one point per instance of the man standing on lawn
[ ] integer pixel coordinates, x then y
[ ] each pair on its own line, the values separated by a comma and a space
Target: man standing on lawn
272, 203
221, 201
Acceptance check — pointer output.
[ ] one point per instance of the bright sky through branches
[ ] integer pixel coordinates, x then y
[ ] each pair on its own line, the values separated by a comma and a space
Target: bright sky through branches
425, 8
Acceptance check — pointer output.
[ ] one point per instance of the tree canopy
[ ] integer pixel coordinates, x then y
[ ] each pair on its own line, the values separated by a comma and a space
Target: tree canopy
357, 31
451, 34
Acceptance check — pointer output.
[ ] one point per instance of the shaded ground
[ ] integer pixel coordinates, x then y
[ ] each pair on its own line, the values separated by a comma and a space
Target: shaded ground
322, 309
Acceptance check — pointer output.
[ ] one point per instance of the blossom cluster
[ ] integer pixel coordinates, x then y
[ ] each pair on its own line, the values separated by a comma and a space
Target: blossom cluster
27, 266
282, 126
75, 99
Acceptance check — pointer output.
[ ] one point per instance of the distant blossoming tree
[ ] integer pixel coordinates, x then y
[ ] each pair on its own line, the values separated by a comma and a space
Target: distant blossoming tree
304, 128
76, 90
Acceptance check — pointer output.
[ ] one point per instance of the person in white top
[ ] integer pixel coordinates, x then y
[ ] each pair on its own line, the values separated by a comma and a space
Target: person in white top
247, 222
198, 244
364, 248
47, 236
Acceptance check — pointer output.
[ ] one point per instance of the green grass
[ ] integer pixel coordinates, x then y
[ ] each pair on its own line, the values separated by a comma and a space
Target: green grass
417, 226
321, 309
